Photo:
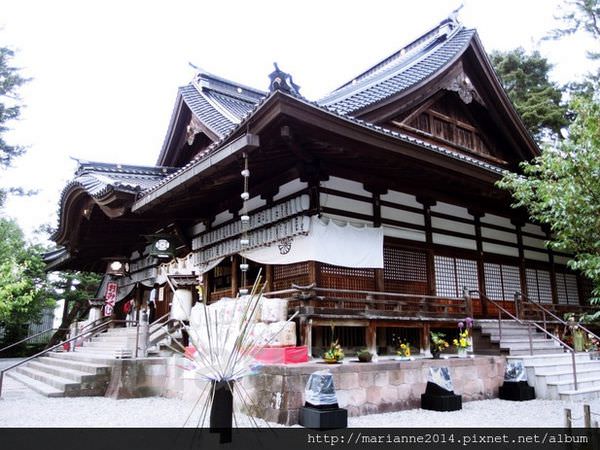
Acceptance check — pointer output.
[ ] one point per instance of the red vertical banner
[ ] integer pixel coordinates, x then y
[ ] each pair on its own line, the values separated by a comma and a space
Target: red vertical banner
110, 298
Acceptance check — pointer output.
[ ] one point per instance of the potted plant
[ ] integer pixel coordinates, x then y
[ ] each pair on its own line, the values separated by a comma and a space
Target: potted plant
404, 351
364, 355
335, 353
437, 343
462, 343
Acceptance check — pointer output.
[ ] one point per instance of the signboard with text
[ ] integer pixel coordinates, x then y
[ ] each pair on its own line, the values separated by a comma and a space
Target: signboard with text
110, 298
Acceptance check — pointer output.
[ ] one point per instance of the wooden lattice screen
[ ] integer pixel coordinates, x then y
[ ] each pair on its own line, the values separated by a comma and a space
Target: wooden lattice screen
286, 275
452, 275
539, 285
585, 288
501, 283
336, 277
404, 271
566, 288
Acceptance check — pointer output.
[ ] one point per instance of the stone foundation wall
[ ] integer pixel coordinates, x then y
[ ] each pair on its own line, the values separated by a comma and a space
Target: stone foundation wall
369, 388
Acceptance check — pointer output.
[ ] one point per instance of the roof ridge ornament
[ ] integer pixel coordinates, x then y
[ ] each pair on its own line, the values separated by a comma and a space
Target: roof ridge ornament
282, 81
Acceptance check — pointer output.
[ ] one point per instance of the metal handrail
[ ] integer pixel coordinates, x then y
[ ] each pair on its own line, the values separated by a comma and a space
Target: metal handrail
561, 321
48, 350
29, 338
529, 323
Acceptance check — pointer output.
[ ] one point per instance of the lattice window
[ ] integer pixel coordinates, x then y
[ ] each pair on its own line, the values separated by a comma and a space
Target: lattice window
501, 281
404, 271
347, 277
539, 285
566, 288
586, 287
454, 274
286, 275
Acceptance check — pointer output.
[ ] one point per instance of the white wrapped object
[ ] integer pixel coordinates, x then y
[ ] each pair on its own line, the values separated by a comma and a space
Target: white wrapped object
273, 310
182, 304
319, 389
282, 334
198, 315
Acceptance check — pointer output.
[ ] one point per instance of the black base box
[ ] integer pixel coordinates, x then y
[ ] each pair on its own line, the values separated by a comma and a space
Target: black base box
323, 419
436, 398
517, 391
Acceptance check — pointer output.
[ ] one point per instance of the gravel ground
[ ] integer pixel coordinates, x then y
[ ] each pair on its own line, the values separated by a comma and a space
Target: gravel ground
20, 407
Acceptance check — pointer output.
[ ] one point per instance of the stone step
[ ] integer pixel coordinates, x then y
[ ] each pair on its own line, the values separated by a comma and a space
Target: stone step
559, 358
566, 366
70, 374
583, 383
85, 357
91, 368
110, 344
63, 384
516, 332
36, 385
536, 351
519, 344
580, 394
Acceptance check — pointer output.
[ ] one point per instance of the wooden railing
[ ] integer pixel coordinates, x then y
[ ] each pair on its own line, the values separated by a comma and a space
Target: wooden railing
316, 300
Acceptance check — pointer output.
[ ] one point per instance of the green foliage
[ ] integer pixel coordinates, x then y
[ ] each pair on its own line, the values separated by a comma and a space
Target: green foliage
561, 188
579, 15
23, 284
10, 81
525, 79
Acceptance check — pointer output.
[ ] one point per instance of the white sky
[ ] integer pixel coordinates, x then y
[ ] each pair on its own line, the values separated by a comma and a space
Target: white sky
105, 74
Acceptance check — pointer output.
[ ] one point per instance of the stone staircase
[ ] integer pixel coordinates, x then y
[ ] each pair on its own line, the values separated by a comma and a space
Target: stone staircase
552, 376
515, 338
550, 368
84, 372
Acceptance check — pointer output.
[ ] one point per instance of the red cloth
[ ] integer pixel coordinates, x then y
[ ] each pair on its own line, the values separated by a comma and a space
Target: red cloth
283, 355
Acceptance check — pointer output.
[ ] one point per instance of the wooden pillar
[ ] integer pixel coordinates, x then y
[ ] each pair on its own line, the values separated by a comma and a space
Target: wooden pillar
268, 278
553, 281
425, 338
480, 264
305, 325
235, 284
522, 272
371, 338
427, 204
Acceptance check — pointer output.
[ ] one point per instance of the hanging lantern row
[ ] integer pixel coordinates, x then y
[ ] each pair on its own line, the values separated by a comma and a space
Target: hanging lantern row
245, 220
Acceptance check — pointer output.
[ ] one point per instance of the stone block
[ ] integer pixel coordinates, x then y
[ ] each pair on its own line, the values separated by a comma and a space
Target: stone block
382, 378
374, 395
396, 377
366, 379
349, 381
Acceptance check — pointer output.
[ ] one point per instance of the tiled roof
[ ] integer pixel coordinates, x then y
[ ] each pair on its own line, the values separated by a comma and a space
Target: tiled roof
413, 64
218, 103
98, 179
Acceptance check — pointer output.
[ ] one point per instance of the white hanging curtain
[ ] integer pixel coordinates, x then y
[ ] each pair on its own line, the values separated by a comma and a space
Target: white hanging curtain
330, 243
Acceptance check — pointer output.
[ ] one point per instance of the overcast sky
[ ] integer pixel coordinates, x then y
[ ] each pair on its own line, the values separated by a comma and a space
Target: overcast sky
105, 74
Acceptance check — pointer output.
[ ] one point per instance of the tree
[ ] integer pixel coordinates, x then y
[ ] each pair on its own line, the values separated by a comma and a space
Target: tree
75, 288
525, 79
561, 188
579, 15
23, 283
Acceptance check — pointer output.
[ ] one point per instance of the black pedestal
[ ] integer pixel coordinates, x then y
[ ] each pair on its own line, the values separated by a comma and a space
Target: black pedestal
517, 391
436, 398
221, 412
323, 419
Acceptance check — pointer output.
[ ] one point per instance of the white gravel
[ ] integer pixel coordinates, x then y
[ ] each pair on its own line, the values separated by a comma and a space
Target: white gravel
20, 407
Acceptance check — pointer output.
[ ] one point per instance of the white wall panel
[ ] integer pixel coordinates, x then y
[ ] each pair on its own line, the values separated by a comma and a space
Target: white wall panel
451, 225
404, 233
452, 210
402, 199
537, 256
402, 216
535, 229
452, 241
499, 235
346, 204
497, 220
290, 188
500, 249
341, 184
